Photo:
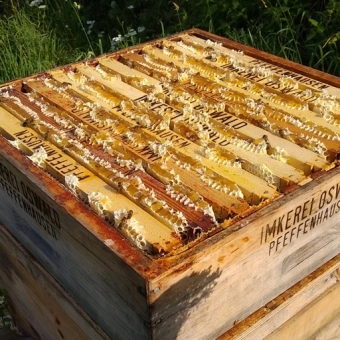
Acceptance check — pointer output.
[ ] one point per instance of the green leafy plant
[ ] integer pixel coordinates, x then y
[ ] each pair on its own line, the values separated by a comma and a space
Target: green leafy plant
28, 46
65, 30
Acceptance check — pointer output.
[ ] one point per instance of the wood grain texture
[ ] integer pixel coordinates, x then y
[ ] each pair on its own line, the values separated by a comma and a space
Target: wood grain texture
291, 306
75, 258
40, 307
266, 194
238, 274
320, 320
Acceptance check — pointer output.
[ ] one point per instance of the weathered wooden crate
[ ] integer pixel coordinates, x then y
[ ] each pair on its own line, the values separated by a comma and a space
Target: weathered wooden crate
39, 306
175, 187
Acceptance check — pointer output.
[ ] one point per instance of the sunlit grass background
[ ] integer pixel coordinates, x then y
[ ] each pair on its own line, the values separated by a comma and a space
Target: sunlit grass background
36, 35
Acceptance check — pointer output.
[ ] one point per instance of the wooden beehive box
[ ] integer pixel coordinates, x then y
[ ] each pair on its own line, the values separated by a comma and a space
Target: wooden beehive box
176, 187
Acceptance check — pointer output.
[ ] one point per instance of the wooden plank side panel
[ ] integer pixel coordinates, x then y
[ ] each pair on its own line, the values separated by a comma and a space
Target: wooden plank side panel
278, 312
320, 320
75, 247
40, 306
227, 280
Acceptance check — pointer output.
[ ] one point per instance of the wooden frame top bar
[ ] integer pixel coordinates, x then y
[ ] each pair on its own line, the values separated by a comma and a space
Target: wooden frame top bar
184, 172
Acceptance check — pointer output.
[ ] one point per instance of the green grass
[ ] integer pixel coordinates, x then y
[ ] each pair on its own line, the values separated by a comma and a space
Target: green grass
34, 39
30, 42
27, 47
